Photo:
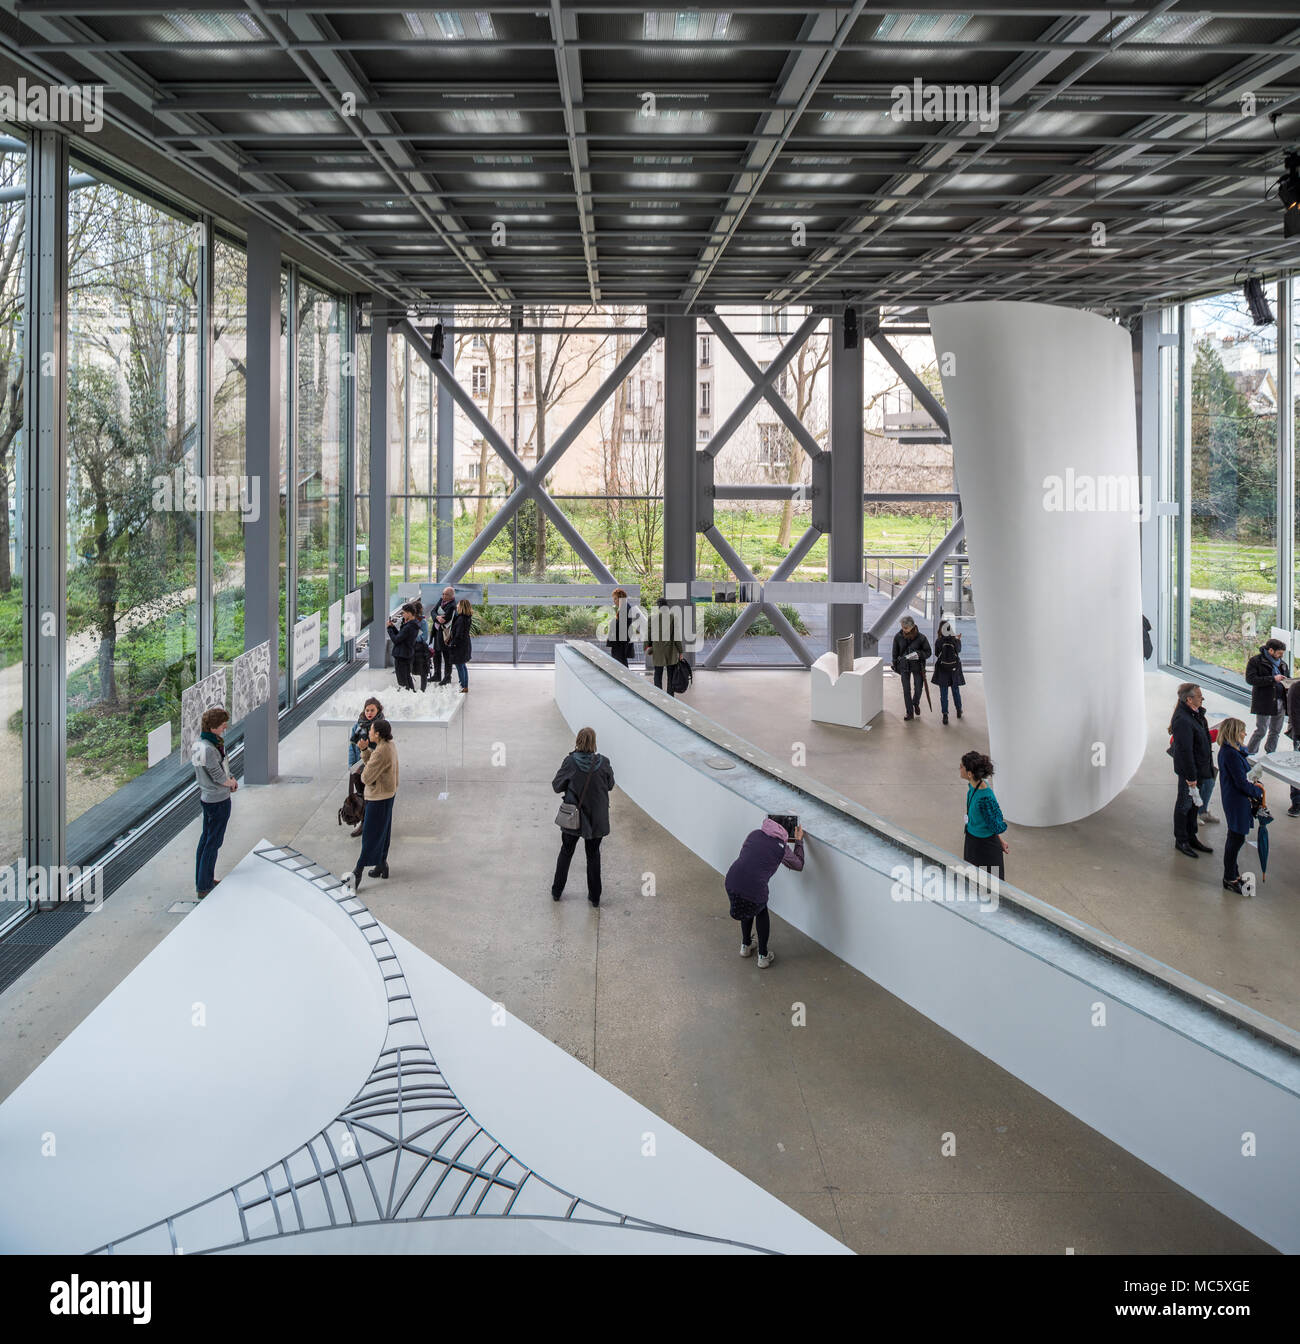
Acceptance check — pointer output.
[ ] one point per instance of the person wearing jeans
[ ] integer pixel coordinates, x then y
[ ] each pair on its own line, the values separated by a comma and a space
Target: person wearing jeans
585, 778
459, 645
216, 784
947, 668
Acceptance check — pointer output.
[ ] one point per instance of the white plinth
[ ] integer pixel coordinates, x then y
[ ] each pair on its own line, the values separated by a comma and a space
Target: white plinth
850, 699
1283, 765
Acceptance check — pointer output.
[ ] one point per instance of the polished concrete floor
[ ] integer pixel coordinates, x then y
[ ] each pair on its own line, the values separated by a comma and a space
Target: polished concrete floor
843, 1117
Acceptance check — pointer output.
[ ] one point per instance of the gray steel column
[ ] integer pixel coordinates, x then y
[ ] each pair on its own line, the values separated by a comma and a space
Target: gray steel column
379, 482
679, 450
845, 552
44, 487
262, 540
1182, 650
447, 456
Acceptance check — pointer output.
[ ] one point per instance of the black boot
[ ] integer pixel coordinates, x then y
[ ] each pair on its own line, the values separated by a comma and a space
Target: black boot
379, 870
945, 718
959, 711
356, 878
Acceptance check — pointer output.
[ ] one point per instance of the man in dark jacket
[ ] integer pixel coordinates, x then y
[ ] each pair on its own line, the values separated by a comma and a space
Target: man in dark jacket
911, 649
439, 628
1265, 672
585, 778
1193, 762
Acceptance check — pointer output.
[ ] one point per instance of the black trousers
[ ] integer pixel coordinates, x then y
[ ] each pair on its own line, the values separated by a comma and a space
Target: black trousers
913, 678
403, 666
762, 924
1230, 851
1185, 815
441, 663
376, 832
659, 681
568, 843
618, 652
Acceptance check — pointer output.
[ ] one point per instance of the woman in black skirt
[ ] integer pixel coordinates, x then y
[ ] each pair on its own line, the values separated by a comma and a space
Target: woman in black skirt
984, 821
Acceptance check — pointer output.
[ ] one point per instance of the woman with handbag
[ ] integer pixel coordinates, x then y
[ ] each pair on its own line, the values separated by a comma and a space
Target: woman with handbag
585, 779
947, 668
379, 776
370, 711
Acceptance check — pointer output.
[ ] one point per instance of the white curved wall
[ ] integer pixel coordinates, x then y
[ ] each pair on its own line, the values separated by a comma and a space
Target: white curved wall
1036, 394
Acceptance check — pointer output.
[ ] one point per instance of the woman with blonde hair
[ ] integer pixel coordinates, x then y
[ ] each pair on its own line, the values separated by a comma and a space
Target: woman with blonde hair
459, 646
1236, 794
585, 778
619, 643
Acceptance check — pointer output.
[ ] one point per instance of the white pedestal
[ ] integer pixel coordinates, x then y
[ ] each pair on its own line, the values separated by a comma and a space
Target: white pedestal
851, 699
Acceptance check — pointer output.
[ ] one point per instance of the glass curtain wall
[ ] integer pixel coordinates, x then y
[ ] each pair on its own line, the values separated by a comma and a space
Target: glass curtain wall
1232, 478
229, 388
133, 484
13, 302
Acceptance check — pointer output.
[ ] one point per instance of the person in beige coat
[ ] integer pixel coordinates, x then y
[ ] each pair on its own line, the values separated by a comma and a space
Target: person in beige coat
665, 647
379, 777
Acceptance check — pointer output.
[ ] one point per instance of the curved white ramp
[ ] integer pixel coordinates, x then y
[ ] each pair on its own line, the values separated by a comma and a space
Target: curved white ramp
314, 1115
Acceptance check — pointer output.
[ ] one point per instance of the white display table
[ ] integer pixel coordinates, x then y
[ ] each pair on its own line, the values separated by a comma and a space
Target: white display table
851, 699
1283, 765
407, 711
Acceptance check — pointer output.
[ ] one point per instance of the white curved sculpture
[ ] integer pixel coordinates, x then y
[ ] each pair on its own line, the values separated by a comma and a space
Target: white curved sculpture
1041, 408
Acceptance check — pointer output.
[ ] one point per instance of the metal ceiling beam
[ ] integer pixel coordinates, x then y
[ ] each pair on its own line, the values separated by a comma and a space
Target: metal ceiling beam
568, 69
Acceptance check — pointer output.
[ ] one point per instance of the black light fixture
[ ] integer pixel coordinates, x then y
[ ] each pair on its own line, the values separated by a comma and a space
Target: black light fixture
1260, 313
850, 328
1288, 191
435, 341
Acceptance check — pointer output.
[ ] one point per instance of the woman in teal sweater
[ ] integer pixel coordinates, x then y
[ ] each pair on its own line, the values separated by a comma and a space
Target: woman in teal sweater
984, 821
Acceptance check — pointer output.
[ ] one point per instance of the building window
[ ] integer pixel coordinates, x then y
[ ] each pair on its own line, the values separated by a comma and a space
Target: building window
471, 471
479, 342
771, 446
479, 382
706, 399
775, 322
782, 378
706, 352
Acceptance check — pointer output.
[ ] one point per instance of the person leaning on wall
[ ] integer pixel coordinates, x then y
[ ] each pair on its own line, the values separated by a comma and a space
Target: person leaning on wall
746, 882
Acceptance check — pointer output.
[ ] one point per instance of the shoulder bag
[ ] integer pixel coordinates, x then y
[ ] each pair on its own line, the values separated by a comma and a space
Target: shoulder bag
569, 816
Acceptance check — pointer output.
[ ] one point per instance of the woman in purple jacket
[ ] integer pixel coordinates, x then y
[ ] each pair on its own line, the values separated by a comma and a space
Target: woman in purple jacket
763, 852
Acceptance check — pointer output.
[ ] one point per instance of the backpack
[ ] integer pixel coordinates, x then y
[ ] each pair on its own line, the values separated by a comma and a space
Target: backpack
679, 677
351, 812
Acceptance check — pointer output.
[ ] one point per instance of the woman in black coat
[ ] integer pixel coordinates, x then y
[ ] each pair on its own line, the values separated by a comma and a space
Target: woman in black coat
618, 643
584, 778
459, 644
404, 637
911, 649
947, 668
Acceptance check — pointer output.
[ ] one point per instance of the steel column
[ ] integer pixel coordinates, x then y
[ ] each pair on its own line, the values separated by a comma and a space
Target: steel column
378, 483
44, 486
679, 451
844, 561
205, 454
1146, 355
262, 542
446, 483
